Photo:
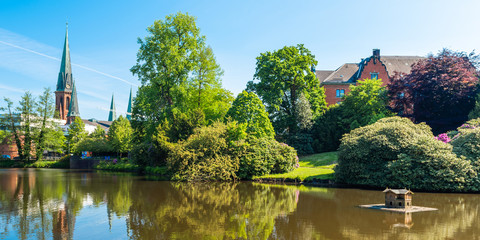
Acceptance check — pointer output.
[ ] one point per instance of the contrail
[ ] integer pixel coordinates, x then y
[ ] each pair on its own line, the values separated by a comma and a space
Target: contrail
78, 65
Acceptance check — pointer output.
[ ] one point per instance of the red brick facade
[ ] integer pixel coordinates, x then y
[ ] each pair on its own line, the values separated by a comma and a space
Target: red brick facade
331, 92
62, 102
374, 66
8, 147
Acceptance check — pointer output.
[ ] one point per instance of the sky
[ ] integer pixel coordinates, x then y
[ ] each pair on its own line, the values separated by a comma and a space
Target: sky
103, 38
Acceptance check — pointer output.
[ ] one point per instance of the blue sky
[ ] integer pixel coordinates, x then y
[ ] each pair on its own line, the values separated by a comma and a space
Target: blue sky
103, 38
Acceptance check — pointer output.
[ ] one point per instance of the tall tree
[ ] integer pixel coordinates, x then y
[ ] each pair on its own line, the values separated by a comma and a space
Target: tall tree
46, 110
27, 110
248, 109
177, 71
76, 133
440, 90
120, 135
164, 62
12, 121
284, 75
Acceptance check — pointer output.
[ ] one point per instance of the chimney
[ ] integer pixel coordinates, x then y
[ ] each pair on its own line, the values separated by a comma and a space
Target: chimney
376, 52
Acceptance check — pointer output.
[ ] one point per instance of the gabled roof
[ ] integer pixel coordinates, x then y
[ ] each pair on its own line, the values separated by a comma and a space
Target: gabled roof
401, 64
323, 74
343, 74
398, 191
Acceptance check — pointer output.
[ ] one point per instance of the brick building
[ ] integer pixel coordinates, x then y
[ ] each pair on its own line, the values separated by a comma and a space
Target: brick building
337, 83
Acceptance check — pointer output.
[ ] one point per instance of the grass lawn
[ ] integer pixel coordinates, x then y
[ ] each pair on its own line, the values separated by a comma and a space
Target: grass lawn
312, 167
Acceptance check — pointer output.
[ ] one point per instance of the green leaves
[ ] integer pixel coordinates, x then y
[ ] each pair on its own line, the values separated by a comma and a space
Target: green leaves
283, 76
249, 109
120, 135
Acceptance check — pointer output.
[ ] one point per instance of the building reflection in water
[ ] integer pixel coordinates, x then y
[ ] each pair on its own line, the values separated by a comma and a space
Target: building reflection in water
402, 220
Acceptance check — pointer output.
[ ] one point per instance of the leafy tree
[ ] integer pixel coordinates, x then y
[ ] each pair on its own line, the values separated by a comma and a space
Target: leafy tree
120, 135
46, 110
283, 75
76, 133
177, 71
365, 104
303, 113
248, 109
475, 113
98, 133
439, 90
55, 140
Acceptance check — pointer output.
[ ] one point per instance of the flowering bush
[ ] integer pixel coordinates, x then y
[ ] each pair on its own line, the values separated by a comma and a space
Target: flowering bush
443, 137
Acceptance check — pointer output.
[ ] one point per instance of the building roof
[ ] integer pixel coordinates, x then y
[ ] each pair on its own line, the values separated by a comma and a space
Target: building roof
401, 64
323, 74
398, 191
73, 108
343, 74
65, 79
112, 114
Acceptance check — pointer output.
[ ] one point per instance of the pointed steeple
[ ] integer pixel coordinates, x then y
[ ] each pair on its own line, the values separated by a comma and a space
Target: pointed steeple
73, 108
65, 79
112, 115
130, 103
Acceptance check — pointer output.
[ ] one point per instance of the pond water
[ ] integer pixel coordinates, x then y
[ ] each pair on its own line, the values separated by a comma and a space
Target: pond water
68, 204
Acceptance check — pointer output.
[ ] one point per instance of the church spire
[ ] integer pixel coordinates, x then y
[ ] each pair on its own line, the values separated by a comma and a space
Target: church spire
65, 80
73, 108
112, 115
130, 103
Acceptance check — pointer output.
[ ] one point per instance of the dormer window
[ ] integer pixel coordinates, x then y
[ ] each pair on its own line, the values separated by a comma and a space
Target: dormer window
373, 75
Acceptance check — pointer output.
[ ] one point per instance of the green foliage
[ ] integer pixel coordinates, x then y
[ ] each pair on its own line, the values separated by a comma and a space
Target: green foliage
45, 111
205, 155
395, 152
260, 156
97, 146
4, 135
55, 141
147, 154
117, 167
98, 133
248, 109
76, 133
120, 135
283, 76
467, 144
178, 73
365, 104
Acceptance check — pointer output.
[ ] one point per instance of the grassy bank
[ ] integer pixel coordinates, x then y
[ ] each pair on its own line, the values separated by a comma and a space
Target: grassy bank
130, 167
312, 168
64, 162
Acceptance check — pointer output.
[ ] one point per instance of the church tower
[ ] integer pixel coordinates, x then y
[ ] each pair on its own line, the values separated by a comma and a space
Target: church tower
130, 103
63, 93
73, 111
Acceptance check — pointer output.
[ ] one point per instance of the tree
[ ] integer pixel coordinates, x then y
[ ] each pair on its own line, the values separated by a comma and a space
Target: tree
475, 113
177, 71
365, 104
46, 110
120, 135
164, 62
440, 90
55, 141
76, 133
282, 77
98, 133
248, 109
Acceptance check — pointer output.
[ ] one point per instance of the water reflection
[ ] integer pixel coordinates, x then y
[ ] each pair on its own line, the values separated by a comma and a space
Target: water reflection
59, 204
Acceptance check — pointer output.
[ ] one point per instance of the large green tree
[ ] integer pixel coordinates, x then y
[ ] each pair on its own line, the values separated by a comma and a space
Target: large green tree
248, 109
120, 135
280, 78
177, 71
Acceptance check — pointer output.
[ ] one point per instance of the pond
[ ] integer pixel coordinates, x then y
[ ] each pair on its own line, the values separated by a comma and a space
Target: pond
69, 204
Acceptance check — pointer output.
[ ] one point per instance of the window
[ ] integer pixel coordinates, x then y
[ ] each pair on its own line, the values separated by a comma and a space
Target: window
340, 93
374, 75
400, 204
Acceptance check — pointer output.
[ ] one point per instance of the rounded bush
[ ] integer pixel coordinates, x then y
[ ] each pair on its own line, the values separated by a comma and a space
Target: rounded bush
395, 152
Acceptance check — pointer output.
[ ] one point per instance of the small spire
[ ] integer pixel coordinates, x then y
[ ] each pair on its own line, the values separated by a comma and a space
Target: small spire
73, 108
130, 103
112, 114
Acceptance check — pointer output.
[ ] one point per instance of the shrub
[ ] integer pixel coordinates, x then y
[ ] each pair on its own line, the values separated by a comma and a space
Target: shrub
260, 156
398, 153
205, 155
467, 144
